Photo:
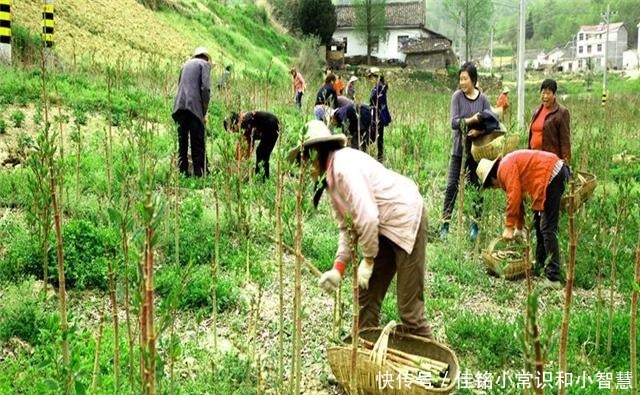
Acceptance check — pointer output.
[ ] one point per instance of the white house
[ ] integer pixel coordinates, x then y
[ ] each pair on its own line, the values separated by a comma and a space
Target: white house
405, 25
590, 46
534, 58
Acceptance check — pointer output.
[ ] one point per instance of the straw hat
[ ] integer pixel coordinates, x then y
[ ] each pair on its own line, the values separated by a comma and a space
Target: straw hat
505, 89
316, 133
353, 79
484, 168
374, 71
201, 51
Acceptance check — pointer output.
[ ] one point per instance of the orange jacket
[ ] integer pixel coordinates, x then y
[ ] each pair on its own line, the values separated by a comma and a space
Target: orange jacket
521, 173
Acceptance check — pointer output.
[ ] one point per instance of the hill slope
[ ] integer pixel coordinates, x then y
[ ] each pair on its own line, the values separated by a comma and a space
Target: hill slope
99, 31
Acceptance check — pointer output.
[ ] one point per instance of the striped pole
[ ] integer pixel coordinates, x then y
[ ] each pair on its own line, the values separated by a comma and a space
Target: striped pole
47, 23
604, 98
5, 31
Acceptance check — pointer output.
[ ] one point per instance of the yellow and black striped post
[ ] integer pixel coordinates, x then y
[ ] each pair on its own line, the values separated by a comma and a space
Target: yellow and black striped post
604, 98
5, 31
47, 23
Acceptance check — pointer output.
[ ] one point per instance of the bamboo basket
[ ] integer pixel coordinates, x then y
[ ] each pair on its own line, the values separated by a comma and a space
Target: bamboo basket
493, 144
371, 364
585, 185
510, 265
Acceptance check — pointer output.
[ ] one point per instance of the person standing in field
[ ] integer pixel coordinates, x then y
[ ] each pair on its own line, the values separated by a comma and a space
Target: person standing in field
503, 103
222, 82
550, 125
541, 176
466, 105
351, 87
299, 86
388, 216
190, 111
381, 116
255, 125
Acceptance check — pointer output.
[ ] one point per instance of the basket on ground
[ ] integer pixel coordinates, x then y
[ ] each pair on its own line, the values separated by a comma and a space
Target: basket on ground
508, 263
494, 144
585, 185
382, 361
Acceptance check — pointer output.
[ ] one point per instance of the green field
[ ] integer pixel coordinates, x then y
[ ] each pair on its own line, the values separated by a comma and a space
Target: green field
105, 169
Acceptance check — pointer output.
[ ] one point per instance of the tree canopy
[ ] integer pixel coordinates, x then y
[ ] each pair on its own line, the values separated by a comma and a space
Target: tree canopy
318, 18
370, 22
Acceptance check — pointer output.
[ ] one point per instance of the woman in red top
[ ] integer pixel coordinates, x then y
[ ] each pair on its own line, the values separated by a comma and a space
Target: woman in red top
550, 126
541, 176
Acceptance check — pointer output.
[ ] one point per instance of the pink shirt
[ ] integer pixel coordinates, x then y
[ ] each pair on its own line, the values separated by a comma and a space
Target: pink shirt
298, 83
378, 200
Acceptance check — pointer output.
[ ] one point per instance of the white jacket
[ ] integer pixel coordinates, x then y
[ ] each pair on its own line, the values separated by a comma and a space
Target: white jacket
378, 200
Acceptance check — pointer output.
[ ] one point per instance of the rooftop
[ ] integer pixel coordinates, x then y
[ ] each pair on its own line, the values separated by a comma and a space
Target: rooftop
398, 14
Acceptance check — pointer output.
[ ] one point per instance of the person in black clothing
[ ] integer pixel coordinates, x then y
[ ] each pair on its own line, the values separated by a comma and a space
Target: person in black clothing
326, 97
256, 125
355, 121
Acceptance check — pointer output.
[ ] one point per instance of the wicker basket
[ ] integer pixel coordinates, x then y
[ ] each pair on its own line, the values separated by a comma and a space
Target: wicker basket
371, 365
508, 264
493, 144
585, 185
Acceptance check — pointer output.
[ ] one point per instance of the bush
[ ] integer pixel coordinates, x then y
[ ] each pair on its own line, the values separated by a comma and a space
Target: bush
87, 248
22, 257
21, 314
18, 118
196, 294
3, 126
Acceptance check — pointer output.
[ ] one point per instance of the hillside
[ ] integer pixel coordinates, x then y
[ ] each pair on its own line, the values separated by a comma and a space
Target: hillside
98, 31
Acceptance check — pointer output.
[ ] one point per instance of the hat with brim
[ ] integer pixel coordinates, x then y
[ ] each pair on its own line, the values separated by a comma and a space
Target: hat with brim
353, 79
505, 89
374, 71
484, 169
316, 133
201, 51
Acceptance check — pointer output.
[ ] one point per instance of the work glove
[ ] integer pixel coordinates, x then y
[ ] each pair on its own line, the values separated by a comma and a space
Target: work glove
330, 280
365, 269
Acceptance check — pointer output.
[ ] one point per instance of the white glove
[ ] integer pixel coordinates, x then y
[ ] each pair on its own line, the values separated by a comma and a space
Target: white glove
330, 280
365, 269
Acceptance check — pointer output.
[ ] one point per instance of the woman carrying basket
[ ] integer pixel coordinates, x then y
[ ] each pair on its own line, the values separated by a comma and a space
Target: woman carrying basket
466, 105
388, 217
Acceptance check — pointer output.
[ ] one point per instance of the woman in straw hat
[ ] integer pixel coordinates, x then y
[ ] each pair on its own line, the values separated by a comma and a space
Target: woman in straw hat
389, 219
351, 87
542, 176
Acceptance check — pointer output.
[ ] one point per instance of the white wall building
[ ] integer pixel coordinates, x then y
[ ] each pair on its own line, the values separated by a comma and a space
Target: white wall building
405, 22
590, 46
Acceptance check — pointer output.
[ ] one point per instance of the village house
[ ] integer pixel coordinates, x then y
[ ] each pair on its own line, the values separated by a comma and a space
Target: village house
407, 40
590, 46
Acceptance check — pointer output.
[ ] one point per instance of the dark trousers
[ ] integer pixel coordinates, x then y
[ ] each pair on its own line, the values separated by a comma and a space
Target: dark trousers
453, 181
263, 153
546, 224
410, 268
190, 127
377, 135
299, 99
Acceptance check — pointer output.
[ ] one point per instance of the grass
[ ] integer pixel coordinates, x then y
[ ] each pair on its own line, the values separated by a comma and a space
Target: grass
478, 316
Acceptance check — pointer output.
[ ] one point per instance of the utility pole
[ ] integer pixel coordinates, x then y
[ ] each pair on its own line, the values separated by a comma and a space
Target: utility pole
5, 31
606, 16
521, 34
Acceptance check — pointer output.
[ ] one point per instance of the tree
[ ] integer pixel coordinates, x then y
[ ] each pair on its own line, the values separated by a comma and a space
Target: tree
528, 31
370, 23
473, 16
318, 18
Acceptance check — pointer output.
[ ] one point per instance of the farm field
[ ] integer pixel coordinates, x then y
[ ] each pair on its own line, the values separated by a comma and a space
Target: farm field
112, 165
120, 276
